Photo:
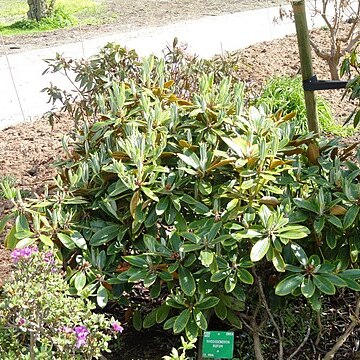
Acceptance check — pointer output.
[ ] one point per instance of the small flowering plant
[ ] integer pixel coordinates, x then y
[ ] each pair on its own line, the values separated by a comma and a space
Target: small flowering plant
39, 319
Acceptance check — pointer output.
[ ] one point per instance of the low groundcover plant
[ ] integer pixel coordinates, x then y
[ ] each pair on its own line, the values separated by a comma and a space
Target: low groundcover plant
40, 320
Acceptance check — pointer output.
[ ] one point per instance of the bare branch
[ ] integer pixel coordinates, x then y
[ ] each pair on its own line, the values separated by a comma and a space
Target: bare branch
351, 44
276, 326
321, 54
302, 343
355, 322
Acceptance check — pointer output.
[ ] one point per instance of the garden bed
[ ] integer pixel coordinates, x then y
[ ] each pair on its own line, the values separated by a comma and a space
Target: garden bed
26, 152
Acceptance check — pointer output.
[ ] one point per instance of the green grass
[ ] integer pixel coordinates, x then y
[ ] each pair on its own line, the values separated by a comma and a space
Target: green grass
286, 94
68, 13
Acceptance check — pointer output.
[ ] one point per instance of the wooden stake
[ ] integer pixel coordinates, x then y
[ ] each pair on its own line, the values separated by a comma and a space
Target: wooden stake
302, 33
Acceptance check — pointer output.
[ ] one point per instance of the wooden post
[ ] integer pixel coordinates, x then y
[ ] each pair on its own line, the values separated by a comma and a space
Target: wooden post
302, 33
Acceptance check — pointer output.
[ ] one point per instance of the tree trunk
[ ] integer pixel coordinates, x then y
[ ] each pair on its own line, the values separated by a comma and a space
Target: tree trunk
37, 9
333, 66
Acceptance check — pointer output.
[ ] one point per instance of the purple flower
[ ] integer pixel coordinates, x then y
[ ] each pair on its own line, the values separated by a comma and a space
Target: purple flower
117, 327
21, 322
25, 252
82, 333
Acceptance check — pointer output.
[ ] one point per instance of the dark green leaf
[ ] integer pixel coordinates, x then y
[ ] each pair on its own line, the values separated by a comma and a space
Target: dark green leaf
324, 284
221, 311
136, 260
331, 239
136, 320
353, 274
181, 321
233, 319
307, 205
187, 282
335, 221
207, 303
287, 285
219, 275
162, 313
350, 216
162, 205
150, 319
104, 235
245, 276
299, 253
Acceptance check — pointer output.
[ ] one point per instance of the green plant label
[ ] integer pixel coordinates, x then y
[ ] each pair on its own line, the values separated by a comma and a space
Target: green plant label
218, 344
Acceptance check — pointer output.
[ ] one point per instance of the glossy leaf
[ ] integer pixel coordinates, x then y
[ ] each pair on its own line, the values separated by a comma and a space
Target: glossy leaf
299, 253
307, 287
200, 319
150, 319
162, 313
102, 296
245, 276
260, 249
104, 235
207, 303
324, 284
350, 216
287, 285
187, 281
79, 281
181, 321
66, 241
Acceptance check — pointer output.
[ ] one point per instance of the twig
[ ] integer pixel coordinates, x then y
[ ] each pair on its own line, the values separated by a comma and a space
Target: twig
302, 343
355, 321
276, 326
321, 328
32, 346
254, 328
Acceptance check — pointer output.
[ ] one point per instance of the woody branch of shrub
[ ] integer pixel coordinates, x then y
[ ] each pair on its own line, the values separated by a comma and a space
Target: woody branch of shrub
341, 39
189, 198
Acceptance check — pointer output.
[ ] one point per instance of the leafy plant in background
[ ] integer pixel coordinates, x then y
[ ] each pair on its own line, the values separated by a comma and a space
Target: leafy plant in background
62, 13
197, 199
285, 94
40, 320
351, 66
59, 19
